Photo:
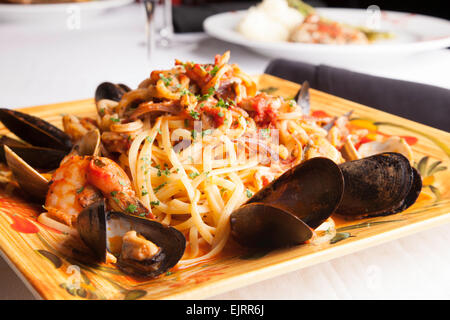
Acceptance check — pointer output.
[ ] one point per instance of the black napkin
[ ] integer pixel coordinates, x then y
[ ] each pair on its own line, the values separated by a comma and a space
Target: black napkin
422, 103
189, 18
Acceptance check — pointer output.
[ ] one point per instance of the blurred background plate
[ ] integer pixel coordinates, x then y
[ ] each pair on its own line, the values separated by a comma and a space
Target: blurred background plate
39, 12
413, 33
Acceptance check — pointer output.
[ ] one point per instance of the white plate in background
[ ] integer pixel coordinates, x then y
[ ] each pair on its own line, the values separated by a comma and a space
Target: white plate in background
412, 33
10, 12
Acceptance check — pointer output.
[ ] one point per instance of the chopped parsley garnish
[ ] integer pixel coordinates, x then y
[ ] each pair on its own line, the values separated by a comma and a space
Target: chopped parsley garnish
192, 175
214, 70
205, 132
166, 80
114, 119
144, 192
194, 114
160, 186
249, 193
220, 114
265, 132
131, 208
223, 104
211, 91
185, 92
80, 190
154, 203
113, 193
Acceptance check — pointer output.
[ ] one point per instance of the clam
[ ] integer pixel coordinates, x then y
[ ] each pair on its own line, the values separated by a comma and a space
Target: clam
390, 144
285, 212
114, 232
378, 185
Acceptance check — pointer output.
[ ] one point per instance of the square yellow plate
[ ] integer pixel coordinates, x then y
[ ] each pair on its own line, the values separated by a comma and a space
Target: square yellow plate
46, 260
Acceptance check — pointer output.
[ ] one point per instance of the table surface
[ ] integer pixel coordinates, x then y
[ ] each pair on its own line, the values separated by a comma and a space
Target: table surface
43, 62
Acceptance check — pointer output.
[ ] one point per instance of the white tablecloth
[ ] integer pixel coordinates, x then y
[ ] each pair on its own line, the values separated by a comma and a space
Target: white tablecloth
47, 62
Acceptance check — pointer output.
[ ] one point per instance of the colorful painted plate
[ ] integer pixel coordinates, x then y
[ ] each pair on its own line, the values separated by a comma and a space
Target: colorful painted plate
52, 265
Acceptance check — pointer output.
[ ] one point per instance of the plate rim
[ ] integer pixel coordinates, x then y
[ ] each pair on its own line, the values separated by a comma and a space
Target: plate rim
286, 264
423, 45
24, 9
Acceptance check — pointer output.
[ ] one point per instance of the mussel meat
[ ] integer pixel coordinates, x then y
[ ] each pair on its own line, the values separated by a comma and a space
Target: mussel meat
298, 201
144, 248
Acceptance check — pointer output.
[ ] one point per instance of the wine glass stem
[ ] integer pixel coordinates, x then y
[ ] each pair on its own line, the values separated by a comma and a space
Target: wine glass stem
166, 32
150, 28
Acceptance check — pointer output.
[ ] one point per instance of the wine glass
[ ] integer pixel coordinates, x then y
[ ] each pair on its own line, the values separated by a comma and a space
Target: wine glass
150, 6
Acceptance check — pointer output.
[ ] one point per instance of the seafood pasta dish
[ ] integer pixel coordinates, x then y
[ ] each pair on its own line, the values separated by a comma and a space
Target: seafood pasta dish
195, 157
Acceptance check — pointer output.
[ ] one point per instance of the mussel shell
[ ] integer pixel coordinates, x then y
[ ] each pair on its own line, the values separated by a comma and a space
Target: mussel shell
259, 225
40, 158
95, 227
91, 226
30, 181
10, 142
303, 99
110, 91
35, 131
378, 185
311, 191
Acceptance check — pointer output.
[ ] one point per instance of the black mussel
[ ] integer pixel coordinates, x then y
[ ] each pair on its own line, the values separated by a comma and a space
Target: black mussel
309, 193
100, 231
110, 91
302, 98
23, 162
259, 225
34, 130
378, 185
32, 182
10, 142
40, 158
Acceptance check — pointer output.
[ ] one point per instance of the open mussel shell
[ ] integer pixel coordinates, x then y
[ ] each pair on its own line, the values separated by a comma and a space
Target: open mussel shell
110, 91
35, 131
24, 160
378, 185
311, 191
299, 200
98, 229
259, 225
37, 157
10, 142
29, 180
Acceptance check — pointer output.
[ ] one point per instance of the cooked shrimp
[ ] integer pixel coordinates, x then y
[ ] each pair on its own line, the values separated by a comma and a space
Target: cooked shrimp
80, 181
106, 175
67, 182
